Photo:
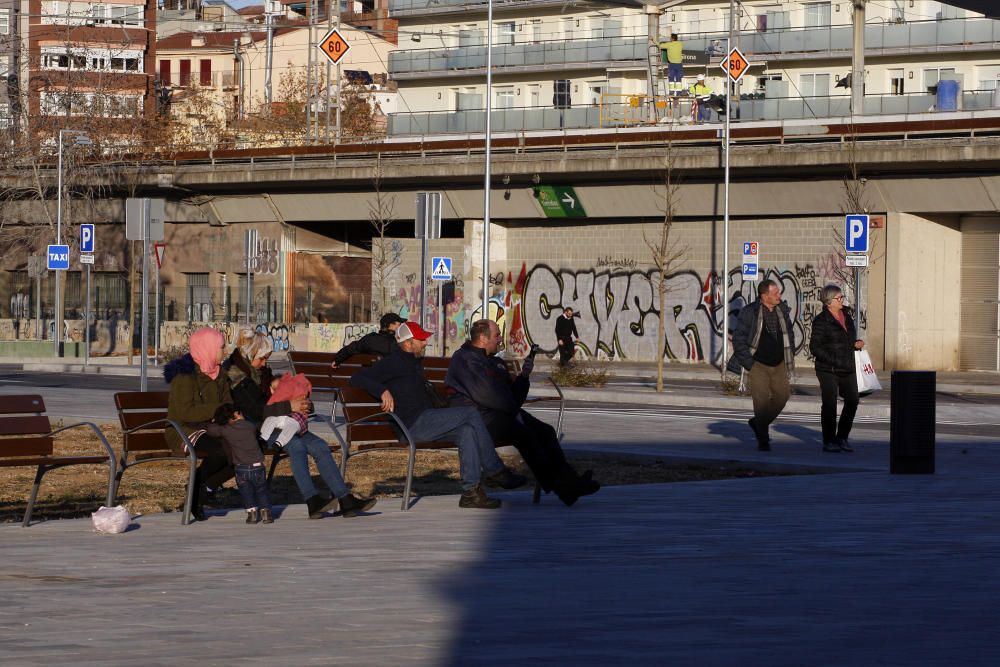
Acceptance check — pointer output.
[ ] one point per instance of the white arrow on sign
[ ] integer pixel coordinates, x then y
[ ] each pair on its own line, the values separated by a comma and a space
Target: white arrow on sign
566, 199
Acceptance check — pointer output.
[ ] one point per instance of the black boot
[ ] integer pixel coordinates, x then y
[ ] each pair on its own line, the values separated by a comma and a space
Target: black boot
351, 505
198, 502
318, 504
252, 516
266, 516
570, 487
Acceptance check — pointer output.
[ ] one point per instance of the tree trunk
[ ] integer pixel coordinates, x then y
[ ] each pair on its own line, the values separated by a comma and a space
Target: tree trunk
661, 334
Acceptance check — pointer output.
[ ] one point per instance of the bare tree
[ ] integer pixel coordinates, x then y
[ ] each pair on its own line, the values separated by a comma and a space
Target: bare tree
665, 253
386, 256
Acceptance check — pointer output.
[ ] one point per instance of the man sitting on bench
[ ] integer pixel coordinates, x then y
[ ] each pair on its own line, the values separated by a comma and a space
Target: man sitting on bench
398, 381
477, 377
380, 343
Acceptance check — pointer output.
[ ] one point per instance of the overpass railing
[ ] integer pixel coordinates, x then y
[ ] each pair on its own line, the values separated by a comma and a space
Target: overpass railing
622, 112
786, 44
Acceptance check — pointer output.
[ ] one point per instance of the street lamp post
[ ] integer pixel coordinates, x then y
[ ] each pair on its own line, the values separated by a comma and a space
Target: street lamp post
79, 139
489, 163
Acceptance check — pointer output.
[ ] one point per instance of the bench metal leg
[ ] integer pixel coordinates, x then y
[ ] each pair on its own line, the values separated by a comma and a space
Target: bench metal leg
112, 476
536, 495
34, 495
409, 480
275, 460
122, 465
189, 499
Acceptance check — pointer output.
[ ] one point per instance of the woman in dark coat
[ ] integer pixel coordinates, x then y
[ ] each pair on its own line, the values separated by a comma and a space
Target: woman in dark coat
197, 388
250, 378
833, 342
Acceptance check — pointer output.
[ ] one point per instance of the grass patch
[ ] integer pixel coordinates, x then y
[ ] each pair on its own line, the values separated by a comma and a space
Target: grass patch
582, 374
159, 487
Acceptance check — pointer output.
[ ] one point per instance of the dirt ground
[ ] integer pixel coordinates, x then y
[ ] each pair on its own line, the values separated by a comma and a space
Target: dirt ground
159, 487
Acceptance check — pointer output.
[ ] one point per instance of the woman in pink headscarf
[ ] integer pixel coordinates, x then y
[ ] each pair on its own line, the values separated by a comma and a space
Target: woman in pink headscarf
197, 388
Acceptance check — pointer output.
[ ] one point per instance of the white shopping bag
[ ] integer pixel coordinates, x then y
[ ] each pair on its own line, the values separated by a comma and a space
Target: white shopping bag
111, 520
867, 380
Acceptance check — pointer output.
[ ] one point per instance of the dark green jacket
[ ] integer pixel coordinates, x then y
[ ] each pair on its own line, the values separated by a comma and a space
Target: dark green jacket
194, 397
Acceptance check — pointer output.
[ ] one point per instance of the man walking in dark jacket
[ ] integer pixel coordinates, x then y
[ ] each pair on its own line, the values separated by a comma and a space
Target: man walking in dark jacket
380, 343
398, 381
764, 346
479, 378
565, 333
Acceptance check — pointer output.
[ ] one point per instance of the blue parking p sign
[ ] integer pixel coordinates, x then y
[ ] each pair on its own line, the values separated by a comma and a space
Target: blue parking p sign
58, 257
87, 238
856, 233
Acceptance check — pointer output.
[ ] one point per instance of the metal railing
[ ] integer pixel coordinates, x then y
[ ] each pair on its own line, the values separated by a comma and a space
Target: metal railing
623, 112
785, 44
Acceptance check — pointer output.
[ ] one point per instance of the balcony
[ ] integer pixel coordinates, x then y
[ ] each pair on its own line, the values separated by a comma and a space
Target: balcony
615, 114
401, 8
883, 39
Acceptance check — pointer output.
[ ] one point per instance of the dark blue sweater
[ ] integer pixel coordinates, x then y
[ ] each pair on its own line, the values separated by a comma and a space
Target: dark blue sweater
402, 374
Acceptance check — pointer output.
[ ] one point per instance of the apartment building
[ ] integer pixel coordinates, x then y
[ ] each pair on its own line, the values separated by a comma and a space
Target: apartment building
9, 51
564, 66
225, 73
90, 60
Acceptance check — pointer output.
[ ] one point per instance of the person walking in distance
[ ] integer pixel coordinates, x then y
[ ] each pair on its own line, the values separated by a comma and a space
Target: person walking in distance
764, 346
565, 335
832, 344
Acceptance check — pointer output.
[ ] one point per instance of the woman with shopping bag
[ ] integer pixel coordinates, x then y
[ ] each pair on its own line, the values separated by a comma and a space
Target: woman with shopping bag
833, 344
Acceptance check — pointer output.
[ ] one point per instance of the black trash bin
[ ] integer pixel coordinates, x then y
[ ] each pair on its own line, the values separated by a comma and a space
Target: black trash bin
911, 422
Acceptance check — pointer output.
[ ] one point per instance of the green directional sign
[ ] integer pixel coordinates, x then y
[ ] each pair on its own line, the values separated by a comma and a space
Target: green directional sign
559, 201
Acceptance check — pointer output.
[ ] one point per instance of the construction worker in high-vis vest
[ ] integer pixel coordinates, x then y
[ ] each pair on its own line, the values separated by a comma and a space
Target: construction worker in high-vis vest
673, 52
701, 93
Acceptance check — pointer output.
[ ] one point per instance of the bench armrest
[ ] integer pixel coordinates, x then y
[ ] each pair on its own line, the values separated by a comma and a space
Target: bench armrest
188, 446
395, 418
97, 432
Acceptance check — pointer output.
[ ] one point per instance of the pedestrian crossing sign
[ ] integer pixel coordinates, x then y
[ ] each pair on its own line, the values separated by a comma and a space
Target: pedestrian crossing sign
441, 268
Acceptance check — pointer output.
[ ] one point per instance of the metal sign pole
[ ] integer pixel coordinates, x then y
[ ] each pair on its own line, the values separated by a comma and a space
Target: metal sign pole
156, 316
440, 324
144, 319
86, 323
423, 278
488, 160
725, 233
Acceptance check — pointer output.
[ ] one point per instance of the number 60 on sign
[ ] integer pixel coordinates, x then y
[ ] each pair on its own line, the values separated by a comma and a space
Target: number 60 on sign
334, 46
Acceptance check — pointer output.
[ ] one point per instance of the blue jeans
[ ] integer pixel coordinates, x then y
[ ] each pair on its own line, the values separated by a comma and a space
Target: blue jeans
299, 449
251, 480
464, 427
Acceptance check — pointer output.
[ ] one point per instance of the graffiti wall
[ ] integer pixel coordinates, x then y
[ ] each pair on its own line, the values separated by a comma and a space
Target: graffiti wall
618, 312
332, 337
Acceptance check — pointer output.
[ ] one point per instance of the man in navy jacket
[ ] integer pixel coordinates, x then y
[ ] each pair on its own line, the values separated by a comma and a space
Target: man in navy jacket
398, 381
479, 378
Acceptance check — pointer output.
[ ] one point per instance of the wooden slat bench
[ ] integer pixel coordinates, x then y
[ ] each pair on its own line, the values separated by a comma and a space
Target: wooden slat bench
143, 418
28, 441
326, 380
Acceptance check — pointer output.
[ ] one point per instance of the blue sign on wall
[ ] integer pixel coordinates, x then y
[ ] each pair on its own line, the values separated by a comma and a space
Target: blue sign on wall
58, 257
87, 238
856, 233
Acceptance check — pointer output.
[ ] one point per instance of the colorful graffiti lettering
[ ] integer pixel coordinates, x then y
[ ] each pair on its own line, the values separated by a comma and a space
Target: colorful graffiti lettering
619, 312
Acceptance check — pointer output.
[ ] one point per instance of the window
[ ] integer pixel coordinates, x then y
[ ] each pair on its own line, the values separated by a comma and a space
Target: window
470, 36
763, 86
536, 31
505, 33
692, 17
205, 72
817, 15
568, 29
988, 77
560, 95
534, 95
504, 97
935, 74
772, 18
185, 74
469, 98
198, 298
4, 21
595, 90
165, 72
612, 28
897, 78
4, 116
814, 85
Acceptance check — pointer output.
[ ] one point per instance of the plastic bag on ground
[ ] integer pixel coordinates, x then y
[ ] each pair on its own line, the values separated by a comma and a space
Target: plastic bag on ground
111, 520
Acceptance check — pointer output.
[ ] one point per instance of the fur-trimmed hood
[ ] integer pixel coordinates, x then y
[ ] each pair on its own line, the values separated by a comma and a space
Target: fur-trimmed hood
183, 365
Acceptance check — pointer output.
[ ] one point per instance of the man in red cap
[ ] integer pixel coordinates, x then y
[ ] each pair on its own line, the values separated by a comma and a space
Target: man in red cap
398, 381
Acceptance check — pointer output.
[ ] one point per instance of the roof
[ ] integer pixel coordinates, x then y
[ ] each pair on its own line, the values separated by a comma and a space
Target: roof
250, 10
213, 40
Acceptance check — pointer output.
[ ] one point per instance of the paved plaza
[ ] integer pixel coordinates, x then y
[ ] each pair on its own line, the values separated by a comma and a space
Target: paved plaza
852, 568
